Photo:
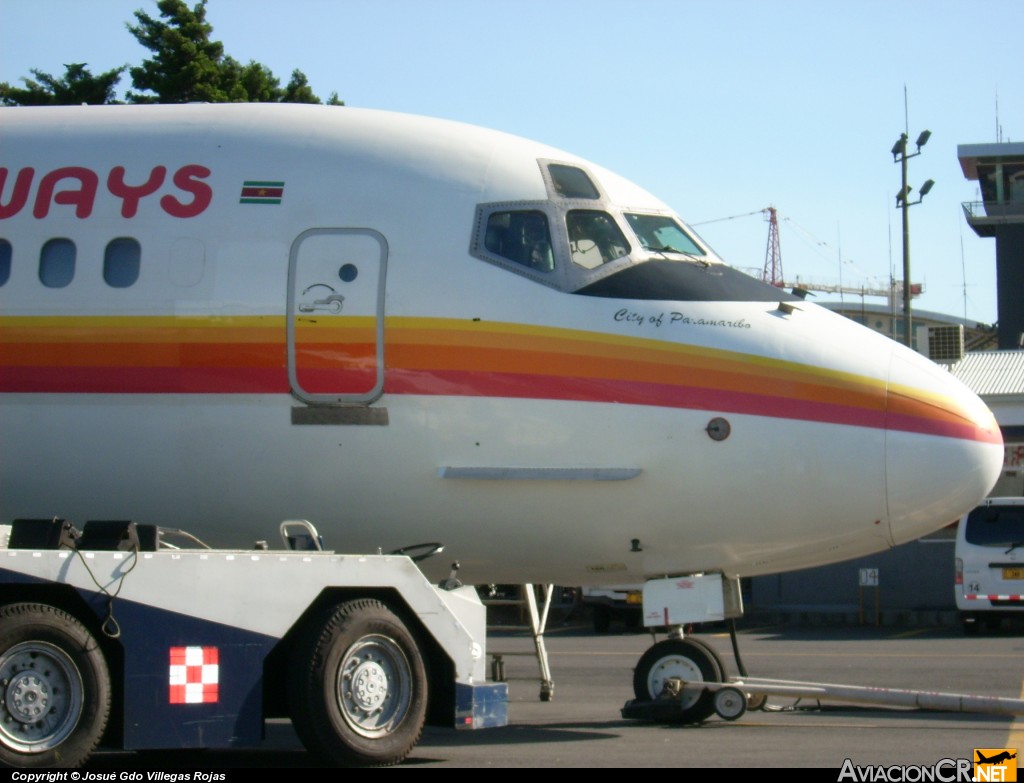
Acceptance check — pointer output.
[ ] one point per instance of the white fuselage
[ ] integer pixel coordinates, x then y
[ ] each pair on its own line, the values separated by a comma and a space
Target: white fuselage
322, 325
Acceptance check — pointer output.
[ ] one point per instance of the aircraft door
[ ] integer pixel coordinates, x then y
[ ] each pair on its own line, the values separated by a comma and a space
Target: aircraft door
335, 315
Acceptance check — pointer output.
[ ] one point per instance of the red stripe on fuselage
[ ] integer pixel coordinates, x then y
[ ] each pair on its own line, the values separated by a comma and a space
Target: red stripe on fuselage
198, 380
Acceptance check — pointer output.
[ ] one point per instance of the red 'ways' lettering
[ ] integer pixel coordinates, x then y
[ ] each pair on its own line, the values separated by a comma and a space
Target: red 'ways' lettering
187, 178
82, 198
77, 187
131, 195
20, 193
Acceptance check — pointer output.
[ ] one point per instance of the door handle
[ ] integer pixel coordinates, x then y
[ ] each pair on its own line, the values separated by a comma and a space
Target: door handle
331, 304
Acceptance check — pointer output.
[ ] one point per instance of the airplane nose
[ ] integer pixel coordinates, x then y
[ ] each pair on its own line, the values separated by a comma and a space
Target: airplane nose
944, 450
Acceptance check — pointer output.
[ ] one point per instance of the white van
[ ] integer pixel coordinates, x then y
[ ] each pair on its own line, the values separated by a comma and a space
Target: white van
990, 563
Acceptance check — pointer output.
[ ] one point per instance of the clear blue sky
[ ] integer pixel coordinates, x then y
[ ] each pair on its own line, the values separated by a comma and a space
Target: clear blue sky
720, 108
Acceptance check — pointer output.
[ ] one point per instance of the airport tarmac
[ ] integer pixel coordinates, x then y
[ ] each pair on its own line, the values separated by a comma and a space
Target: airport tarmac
582, 725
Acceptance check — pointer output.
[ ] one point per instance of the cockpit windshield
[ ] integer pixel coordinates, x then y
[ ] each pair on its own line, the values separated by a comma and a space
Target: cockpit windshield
578, 240
661, 234
594, 238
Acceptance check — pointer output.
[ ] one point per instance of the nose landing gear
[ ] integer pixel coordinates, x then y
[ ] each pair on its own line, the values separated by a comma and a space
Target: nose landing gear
662, 670
679, 680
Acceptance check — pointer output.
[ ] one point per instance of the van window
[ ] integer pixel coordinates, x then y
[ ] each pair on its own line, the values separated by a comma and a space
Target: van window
996, 526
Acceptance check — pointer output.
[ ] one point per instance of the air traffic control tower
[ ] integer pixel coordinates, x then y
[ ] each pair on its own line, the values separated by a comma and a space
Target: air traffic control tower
999, 169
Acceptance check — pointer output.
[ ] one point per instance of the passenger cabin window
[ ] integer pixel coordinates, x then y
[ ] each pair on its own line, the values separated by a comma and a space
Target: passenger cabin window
5, 261
661, 234
594, 238
522, 237
121, 262
571, 182
57, 263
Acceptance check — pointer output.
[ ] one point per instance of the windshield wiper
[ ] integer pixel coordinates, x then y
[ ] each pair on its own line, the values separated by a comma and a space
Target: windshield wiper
1013, 546
669, 249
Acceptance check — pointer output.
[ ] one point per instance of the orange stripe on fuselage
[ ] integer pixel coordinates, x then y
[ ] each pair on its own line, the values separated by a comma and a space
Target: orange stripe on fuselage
70, 354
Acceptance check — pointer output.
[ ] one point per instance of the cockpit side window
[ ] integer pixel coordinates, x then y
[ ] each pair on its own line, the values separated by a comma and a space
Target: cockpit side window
594, 238
522, 237
662, 234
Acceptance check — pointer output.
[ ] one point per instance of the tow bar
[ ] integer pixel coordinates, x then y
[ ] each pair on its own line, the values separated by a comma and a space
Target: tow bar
735, 696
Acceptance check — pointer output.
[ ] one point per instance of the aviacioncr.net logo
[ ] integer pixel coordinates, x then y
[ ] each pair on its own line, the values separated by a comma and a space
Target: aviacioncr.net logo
942, 771
995, 764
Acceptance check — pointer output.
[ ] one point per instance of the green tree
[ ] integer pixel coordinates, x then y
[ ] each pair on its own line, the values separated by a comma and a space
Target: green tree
298, 91
187, 65
249, 83
77, 86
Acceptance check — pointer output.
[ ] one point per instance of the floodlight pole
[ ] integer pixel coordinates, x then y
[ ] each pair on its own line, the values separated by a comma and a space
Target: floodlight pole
899, 153
907, 316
